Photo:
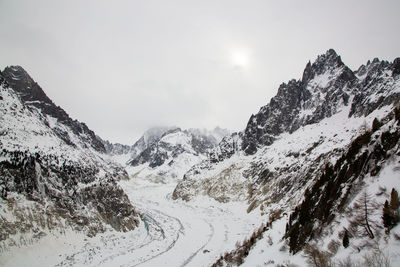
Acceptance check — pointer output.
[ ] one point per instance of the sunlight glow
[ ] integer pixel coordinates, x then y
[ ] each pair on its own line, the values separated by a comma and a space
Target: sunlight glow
240, 59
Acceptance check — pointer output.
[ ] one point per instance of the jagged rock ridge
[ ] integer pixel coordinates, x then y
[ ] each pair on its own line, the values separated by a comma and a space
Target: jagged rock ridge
325, 86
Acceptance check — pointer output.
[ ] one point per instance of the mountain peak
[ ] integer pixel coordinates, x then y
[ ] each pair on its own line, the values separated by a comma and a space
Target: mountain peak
330, 56
15, 69
22, 82
323, 62
331, 52
32, 95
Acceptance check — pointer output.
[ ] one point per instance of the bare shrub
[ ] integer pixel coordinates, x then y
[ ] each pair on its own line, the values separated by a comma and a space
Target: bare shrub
275, 215
283, 248
347, 263
236, 257
287, 264
333, 246
316, 257
377, 258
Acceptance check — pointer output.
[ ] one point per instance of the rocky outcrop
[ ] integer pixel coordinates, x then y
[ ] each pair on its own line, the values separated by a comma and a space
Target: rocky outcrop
376, 80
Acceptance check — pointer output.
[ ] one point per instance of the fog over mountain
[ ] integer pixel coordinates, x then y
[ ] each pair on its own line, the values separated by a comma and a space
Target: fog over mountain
127, 66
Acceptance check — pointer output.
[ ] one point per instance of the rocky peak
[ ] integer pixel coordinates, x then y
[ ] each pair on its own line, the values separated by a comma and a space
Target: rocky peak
33, 96
276, 117
325, 85
324, 62
149, 137
373, 69
377, 84
396, 67
172, 131
30, 92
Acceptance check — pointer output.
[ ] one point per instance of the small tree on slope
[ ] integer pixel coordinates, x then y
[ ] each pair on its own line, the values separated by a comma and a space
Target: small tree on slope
365, 208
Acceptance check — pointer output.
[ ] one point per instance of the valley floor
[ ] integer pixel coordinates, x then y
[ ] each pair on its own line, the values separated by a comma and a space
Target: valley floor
171, 233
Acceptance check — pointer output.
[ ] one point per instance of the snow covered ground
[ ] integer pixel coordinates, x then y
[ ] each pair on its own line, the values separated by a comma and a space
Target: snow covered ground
171, 233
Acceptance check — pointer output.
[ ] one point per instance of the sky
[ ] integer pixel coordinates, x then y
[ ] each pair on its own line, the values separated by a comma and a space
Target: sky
125, 66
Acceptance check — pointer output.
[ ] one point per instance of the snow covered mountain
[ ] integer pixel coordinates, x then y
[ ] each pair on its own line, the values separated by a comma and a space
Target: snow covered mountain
313, 179
54, 174
311, 152
164, 154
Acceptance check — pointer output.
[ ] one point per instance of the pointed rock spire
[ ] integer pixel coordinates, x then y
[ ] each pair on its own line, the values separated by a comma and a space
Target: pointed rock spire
323, 62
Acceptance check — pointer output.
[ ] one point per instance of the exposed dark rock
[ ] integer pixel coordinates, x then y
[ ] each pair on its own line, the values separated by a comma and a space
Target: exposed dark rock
396, 67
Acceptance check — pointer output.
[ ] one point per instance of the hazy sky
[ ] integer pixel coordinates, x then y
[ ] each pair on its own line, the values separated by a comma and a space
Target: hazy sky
124, 66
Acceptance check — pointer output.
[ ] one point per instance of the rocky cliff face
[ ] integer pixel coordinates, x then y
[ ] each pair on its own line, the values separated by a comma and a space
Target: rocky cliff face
53, 171
326, 85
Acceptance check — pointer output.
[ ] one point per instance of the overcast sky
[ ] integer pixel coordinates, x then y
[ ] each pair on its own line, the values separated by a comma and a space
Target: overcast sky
124, 66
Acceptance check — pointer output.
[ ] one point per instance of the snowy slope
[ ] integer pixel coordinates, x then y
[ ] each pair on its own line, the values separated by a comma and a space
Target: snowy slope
378, 175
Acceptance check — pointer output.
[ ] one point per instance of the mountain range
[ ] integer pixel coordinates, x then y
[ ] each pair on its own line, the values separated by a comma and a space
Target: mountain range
323, 144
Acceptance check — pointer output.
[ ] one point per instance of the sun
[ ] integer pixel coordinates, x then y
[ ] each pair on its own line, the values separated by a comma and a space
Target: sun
240, 59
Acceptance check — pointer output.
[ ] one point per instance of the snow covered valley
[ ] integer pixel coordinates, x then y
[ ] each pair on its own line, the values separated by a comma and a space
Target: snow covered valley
171, 233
